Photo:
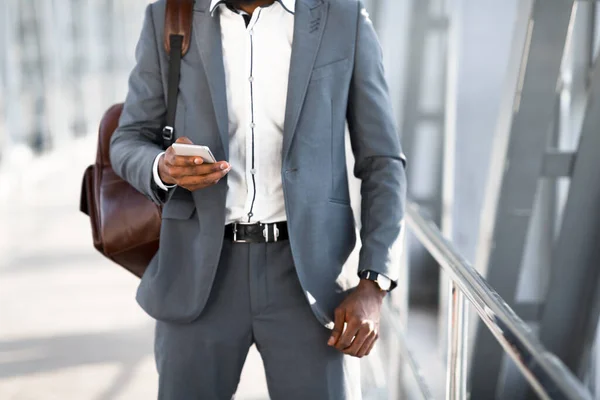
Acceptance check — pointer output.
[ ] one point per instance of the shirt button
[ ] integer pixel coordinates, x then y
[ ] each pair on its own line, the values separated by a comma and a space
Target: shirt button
253, 171
251, 32
251, 79
252, 125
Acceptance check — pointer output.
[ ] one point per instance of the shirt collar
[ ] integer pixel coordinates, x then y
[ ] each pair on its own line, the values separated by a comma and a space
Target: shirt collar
288, 5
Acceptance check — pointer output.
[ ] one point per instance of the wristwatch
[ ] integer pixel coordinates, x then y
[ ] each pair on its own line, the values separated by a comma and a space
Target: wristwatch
382, 281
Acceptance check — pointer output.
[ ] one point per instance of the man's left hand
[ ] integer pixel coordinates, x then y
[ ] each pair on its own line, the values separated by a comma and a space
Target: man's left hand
360, 312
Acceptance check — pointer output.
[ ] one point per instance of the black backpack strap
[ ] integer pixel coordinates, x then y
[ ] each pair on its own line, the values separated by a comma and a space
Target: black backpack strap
176, 44
177, 38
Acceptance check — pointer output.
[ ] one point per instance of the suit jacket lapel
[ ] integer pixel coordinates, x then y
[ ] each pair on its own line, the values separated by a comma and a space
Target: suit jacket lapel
207, 32
310, 17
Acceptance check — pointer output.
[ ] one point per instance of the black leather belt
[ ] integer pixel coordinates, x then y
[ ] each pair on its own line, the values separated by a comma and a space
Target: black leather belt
256, 233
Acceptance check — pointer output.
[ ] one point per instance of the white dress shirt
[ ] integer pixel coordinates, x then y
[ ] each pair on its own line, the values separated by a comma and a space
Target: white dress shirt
256, 58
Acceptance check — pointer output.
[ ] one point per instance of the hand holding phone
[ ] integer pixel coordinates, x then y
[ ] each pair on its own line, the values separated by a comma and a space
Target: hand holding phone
191, 166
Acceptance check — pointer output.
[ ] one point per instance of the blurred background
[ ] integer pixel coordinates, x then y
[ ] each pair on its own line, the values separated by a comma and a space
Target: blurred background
496, 103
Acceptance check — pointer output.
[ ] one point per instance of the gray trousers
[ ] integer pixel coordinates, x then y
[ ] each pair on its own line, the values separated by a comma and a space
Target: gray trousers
256, 299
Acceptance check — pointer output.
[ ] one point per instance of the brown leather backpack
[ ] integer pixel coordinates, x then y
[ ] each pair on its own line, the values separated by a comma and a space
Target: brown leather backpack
125, 223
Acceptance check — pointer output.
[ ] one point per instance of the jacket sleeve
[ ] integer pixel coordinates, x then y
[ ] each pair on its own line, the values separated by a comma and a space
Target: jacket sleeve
379, 161
137, 141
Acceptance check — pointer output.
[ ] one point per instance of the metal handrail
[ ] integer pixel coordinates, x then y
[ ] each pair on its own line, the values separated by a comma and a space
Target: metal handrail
544, 371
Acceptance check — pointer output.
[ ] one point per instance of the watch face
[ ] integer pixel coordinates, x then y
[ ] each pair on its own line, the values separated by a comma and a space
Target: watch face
384, 283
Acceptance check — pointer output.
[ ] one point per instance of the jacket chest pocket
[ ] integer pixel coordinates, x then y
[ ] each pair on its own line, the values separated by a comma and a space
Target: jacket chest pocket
336, 67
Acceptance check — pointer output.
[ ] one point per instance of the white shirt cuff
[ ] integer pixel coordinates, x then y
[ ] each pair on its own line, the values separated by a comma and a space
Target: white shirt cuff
156, 175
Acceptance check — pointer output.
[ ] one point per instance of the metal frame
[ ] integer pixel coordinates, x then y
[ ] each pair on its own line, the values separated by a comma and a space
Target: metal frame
456, 371
558, 164
519, 152
570, 317
547, 375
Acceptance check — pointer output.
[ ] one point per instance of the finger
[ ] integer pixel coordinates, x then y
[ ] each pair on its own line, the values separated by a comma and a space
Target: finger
169, 155
367, 346
363, 334
373, 345
187, 159
171, 158
201, 180
206, 170
338, 326
184, 140
348, 335
174, 160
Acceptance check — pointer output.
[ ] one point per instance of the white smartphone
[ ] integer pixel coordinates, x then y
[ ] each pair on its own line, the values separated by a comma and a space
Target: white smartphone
194, 150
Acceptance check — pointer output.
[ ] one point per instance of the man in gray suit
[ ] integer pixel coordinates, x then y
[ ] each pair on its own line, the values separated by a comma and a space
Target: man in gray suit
252, 248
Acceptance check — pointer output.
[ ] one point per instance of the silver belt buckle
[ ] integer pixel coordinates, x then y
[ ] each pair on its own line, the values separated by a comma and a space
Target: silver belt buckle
235, 225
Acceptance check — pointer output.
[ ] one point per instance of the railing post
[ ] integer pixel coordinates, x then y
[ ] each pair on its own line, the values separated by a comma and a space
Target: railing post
456, 368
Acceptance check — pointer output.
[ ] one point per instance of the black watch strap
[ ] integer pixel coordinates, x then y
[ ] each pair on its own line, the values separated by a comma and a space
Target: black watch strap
375, 277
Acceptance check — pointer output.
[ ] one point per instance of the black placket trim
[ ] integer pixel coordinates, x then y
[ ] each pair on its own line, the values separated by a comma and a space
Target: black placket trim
252, 171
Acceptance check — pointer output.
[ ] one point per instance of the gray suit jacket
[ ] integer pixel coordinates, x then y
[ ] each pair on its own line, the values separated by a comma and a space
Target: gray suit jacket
336, 77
